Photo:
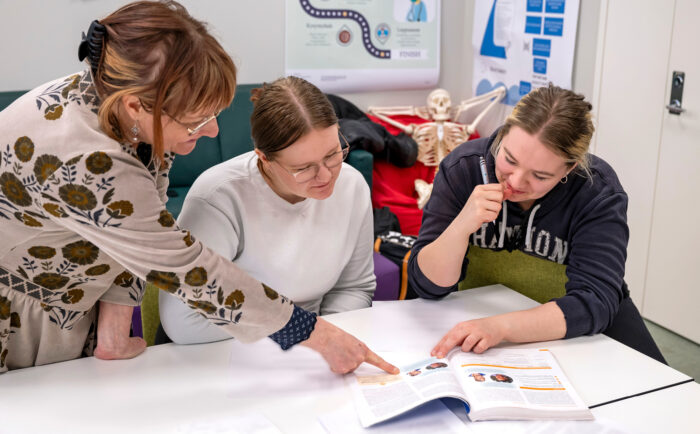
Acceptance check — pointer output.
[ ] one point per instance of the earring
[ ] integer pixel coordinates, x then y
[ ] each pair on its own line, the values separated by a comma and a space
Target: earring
135, 133
564, 179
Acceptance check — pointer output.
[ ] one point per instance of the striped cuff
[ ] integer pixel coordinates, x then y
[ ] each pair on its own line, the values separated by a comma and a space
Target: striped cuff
298, 328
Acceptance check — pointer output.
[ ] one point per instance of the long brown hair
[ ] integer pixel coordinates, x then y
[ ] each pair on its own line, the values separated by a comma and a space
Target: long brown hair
155, 50
559, 118
285, 110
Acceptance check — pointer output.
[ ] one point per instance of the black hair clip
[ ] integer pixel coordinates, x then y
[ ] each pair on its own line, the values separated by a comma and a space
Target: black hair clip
91, 45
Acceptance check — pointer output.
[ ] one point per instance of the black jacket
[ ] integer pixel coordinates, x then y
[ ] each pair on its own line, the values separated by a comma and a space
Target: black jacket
581, 223
362, 133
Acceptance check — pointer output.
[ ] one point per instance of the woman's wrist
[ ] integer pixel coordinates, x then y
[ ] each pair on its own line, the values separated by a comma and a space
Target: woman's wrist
298, 329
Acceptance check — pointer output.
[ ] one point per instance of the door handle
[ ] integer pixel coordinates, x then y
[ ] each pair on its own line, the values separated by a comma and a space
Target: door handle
675, 106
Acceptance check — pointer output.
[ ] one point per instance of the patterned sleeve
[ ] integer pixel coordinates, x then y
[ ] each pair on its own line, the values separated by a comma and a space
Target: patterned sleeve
113, 202
125, 290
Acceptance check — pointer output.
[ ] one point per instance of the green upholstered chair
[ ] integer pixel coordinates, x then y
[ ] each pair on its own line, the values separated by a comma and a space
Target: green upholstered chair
539, 279
6, 98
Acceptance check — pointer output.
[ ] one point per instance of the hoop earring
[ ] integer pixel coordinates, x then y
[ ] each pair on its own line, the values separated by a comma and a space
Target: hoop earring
564, 179
135, 133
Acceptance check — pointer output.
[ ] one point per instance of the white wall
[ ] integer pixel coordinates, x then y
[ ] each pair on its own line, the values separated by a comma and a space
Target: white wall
40, 43
46, 35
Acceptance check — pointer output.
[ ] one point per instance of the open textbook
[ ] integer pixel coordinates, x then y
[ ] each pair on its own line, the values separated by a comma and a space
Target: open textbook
500, 384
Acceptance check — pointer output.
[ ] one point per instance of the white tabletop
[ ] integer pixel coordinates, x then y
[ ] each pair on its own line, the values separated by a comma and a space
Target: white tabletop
206, 388
672, 410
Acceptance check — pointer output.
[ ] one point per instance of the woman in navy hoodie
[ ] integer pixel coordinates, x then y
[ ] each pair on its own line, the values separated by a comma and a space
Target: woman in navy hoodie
548, 198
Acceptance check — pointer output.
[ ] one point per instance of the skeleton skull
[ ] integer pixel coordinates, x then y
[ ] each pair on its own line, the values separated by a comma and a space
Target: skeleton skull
439, 105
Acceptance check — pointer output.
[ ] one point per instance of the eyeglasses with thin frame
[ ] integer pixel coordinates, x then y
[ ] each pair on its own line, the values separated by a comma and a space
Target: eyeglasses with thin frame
330, 162
192, 130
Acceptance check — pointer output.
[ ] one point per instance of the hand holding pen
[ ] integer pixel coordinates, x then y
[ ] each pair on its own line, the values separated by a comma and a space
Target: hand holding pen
484, 203
485, 177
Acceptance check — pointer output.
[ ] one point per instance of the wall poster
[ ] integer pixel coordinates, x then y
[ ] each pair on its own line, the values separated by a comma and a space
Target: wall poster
523, 44
363, 45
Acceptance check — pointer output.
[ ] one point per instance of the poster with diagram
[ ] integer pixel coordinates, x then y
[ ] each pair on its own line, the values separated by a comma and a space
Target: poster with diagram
523, 44
363, 45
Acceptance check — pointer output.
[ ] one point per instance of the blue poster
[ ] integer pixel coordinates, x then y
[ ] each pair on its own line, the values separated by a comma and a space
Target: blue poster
523, 44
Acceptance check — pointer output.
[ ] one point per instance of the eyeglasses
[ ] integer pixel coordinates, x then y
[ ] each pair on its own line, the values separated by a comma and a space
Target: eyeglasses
330, 162
193, 129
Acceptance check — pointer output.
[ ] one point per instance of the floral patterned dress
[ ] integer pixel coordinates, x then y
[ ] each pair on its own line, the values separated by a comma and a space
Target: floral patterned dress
82, 220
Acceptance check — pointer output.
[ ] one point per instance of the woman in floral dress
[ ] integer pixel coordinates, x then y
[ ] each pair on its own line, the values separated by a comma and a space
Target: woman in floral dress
83, 173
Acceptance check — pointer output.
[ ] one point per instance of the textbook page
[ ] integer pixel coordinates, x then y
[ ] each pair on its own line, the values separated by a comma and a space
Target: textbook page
380, 396
517, 384
432, 417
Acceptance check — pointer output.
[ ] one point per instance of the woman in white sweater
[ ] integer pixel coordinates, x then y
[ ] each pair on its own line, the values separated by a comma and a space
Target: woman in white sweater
289, 213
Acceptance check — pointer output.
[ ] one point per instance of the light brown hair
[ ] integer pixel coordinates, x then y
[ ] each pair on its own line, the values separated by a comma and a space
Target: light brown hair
559, 118
155, 50
285, 110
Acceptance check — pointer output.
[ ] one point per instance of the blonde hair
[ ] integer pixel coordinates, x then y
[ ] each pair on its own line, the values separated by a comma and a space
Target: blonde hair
559, 118
156, 51
285, 110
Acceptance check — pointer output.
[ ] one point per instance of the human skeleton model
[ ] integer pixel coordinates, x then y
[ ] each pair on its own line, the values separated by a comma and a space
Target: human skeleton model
439, 137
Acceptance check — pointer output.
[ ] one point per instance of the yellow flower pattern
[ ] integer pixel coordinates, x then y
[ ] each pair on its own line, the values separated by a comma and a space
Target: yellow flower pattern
78, 196
42, 252
196, 277
45, 166
97, 270
166, 219
164, 280
51, 280
55, 210
24, 149
98, 224
53, 112
14, 190
81, 252
98, 163
120, 209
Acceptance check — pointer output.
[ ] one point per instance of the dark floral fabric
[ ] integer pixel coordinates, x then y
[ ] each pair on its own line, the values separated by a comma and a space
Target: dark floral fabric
81, 252
83, 220
166, 219
14, 190
24, 149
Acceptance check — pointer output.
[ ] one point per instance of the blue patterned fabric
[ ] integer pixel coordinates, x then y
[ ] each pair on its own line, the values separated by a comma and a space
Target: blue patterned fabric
298, 328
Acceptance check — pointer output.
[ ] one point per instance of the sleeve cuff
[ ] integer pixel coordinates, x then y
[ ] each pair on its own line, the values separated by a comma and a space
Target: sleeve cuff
577, 316
298, 329
423, 286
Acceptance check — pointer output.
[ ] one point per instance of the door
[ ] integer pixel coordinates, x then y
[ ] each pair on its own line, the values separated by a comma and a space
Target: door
672, 295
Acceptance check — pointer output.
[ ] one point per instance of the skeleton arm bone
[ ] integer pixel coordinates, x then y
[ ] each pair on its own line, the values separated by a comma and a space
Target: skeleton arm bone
495, 96
407, 110
408, 129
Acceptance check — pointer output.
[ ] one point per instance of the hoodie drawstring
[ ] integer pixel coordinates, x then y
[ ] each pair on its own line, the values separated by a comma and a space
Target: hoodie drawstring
528, 234
504, 223
504, 207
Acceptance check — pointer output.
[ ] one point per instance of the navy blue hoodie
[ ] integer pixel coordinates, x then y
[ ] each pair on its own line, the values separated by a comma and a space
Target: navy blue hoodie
581, 224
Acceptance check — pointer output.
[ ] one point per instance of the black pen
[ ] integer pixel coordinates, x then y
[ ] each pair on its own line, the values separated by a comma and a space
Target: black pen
485, 177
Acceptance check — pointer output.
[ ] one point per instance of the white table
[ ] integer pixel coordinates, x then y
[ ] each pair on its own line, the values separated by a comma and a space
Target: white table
172, 388
672, 410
